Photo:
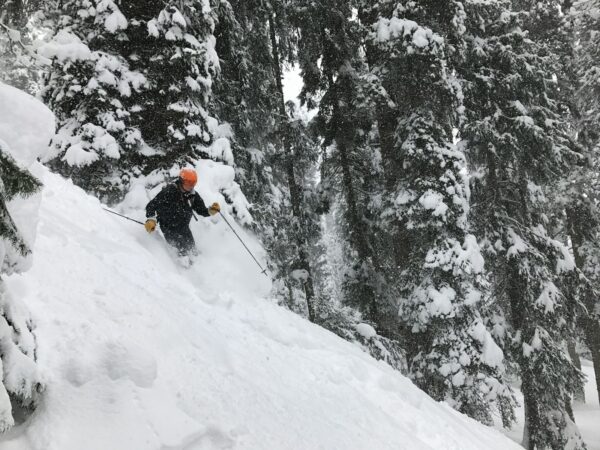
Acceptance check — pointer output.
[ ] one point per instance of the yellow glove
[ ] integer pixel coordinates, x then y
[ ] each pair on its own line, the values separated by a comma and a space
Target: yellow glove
150, 225
214, 208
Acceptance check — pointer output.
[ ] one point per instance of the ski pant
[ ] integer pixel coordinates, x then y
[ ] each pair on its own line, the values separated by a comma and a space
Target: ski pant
181, 238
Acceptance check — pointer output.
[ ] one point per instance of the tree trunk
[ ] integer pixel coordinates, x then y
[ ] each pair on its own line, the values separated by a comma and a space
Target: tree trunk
358, 236
569, 408
531, 417
514, 290
579, 394
295, 195
359, 239
386, 125
592, 335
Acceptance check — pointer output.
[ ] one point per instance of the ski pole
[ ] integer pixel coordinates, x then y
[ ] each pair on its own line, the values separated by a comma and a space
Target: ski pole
124, 217
255, 260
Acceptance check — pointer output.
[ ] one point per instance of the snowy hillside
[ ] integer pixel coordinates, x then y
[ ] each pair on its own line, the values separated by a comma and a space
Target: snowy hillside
139, 353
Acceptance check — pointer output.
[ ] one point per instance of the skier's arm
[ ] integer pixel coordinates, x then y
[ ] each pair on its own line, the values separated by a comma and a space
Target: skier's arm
199, 207
153, 205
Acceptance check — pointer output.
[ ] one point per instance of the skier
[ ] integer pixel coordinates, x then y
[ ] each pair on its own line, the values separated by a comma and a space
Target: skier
173, 208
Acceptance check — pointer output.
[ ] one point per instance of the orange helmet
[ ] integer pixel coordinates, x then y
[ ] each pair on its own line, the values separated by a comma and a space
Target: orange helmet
188, 178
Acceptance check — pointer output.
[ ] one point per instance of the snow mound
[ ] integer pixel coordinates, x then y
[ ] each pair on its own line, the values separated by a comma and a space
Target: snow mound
139, 353
26, 125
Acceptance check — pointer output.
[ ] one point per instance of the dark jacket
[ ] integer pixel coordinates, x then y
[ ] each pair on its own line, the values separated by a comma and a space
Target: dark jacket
173, 208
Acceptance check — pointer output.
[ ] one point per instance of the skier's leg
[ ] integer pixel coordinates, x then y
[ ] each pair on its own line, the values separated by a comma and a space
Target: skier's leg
182, 239
171, 237
188, 245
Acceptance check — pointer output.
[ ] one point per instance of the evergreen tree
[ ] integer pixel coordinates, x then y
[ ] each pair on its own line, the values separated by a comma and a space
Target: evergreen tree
246, 97
452, 355
180, 62
559, 35
583, 185
89, 88
131, 89
275, 157
331, 66
341, 319
21, 384
296, 158
297, 230
518, 145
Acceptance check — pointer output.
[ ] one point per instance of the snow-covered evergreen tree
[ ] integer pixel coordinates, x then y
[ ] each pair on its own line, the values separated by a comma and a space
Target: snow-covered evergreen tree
21, 382
331, 65
452, 355
131, 86
518, 145
89, 88
245, 97
295, 162
582, 187
275, 156
294, 234
179, 60
276, 159
334, 315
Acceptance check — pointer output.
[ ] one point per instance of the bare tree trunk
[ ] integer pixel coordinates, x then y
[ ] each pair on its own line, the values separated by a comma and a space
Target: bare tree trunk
514, 291
295, 194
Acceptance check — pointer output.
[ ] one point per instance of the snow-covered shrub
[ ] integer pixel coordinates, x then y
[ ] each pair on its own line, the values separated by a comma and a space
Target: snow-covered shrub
347, 324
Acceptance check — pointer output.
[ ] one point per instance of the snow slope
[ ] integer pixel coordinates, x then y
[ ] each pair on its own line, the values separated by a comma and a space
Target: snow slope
139, 353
